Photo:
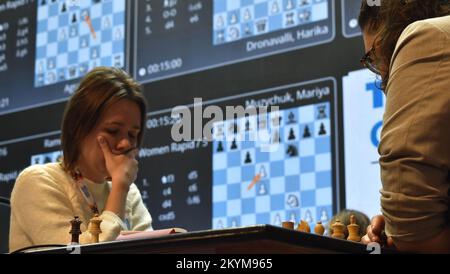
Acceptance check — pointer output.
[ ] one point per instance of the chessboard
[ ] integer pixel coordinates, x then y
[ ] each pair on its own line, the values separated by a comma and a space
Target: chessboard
273, 167
75, 36
238, 19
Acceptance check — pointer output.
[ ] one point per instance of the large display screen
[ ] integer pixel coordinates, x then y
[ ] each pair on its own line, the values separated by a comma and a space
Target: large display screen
311, 153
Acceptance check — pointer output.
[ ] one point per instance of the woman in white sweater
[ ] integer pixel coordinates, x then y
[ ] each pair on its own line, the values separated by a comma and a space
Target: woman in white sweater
102, 129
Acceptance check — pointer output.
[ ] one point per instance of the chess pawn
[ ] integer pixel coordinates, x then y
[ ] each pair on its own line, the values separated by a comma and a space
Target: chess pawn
288, 225
303, 227
338, 230
353, 230
75, 230
319, 229
94, 228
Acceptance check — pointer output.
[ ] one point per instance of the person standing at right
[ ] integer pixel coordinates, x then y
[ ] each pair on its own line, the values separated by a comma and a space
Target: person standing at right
408, 44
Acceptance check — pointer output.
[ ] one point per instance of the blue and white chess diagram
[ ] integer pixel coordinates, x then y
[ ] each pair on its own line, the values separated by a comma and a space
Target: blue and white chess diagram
75, 36
252, 186
239, 19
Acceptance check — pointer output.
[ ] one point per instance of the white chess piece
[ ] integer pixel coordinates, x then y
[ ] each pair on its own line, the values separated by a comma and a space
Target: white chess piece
220, 22
233, 19
262, 190
220, 224
275, 8
308, 217
247, 15
324, 216
277, 220
293, 218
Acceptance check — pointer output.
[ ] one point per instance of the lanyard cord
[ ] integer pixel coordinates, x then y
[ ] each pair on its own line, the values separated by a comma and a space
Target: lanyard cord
78, 178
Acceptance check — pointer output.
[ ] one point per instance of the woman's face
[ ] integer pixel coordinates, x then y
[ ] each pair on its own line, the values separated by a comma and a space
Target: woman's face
120, 126
369, 38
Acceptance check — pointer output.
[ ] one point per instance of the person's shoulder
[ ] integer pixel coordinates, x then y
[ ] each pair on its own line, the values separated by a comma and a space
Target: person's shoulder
433, 26
44, 170
38, 173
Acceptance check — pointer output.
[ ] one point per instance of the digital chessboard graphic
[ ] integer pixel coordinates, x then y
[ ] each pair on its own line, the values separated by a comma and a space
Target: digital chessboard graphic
75, 36
291, 182
238, 19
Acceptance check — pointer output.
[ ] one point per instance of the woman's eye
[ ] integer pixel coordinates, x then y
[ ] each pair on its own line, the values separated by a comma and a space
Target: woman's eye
112, 131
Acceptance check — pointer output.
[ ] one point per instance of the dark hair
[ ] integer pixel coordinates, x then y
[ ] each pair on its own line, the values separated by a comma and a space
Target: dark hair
390, 19
98, 90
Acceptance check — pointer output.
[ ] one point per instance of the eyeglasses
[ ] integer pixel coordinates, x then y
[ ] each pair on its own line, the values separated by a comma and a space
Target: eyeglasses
369, 62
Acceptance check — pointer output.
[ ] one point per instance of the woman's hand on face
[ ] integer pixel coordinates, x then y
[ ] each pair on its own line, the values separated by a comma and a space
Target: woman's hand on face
122, 168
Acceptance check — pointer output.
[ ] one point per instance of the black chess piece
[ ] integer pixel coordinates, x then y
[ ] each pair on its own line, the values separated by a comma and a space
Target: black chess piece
292, 151
43, 2
75, 230
233, 144
291, 135
322, 114
306, 132
291, 118
248, 159
74, 18
64, 8
219, 147
322, 130
247, 125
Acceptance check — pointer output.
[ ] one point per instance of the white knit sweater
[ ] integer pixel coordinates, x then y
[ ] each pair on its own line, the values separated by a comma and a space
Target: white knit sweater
45, 199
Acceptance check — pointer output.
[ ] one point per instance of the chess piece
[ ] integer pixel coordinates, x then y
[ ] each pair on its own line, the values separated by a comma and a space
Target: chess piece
248, 159
275, 8
233, 19
233, 144
75, 230
288, 225
63, 8
353, 230
277, 221
322, 114
74, 18
303, 226
289, 5
262, 171
293, 217
319, 229
322, 130
220, 224
106, 23
338, 230
219, 147
262, 189
234, 223
291, 135
324, 216
292, 201
306, 132
94, 228
219, 22
308, 216
292, 151
247, 125
291, 118
290, 19
247, 15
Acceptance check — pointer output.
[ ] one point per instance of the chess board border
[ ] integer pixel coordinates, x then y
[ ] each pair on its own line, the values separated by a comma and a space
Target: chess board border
135, 70
344, 23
